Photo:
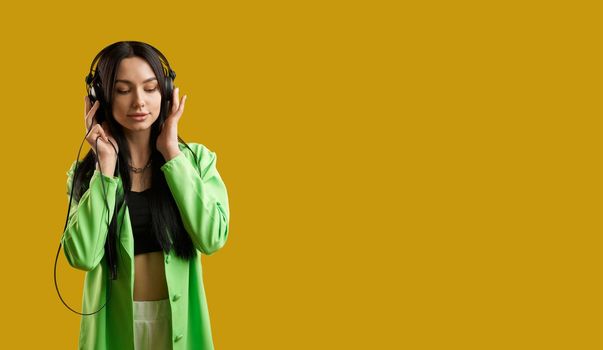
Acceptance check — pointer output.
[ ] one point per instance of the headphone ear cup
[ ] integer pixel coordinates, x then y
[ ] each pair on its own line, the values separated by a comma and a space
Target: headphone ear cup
169, 87
91, 93
95, 93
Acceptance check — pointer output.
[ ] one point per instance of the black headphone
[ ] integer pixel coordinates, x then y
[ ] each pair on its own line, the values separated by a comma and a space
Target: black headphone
95, 93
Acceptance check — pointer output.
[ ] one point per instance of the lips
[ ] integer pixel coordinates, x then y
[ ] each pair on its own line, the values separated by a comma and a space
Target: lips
138, 117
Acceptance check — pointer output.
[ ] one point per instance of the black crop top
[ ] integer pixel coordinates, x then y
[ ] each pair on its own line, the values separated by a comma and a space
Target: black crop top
140, 216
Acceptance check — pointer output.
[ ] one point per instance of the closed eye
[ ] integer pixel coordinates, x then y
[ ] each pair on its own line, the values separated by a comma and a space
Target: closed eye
126, 91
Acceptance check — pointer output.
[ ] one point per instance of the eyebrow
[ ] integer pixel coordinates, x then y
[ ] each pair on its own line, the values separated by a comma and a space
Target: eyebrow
129, 82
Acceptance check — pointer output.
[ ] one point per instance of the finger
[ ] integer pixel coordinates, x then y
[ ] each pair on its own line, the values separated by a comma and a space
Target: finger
97, 131
88, 115
86, 109
181, 107
99, 139
176, 103
103, 131
100, 132
91, 134
91, 113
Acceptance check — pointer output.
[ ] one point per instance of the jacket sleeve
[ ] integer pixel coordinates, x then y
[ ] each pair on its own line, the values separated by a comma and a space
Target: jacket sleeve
201, 197
87, 226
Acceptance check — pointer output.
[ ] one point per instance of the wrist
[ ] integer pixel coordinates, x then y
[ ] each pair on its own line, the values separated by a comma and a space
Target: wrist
170, 154
108, 167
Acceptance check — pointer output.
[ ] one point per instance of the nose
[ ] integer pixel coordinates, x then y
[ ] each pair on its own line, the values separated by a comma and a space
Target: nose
138, 98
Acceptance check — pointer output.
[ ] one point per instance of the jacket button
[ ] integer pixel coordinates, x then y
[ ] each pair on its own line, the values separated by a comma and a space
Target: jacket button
176, 297
178, 337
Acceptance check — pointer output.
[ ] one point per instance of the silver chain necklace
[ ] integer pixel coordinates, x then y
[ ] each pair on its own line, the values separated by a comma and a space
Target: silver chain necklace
140, 170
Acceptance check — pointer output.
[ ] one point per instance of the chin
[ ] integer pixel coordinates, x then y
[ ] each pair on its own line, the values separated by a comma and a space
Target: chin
131, 125
139, 127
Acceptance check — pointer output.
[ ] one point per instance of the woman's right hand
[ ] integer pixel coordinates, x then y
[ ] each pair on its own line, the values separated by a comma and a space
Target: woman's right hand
103, 149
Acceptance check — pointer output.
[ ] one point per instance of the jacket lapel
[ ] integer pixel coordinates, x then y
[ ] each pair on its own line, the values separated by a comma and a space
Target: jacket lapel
126, 237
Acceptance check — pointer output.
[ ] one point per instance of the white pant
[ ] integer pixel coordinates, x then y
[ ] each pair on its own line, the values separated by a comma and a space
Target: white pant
152, 325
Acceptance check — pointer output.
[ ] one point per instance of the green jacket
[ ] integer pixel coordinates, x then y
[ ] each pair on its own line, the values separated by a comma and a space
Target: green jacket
202, 200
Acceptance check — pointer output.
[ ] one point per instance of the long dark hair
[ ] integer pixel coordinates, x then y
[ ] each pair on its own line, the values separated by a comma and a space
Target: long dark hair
167, 225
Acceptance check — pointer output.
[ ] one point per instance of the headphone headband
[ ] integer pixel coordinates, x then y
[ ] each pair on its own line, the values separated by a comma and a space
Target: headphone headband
93, 84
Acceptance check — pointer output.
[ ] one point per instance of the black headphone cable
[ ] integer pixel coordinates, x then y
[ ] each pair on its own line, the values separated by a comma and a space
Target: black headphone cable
113, 271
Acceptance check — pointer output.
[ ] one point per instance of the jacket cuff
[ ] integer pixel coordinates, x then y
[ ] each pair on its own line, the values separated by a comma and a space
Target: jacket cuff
177, 161
112, 179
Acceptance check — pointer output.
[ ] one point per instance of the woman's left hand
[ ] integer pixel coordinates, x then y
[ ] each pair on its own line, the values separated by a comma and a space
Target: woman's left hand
167, 141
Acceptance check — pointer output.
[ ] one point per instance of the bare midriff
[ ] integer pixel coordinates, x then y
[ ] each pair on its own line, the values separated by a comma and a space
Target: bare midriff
149, 277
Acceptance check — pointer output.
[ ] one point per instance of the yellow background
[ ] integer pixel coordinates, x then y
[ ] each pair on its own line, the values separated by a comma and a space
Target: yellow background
400, 176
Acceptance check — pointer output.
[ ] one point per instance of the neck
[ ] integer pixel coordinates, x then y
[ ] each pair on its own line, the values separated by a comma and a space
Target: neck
138, 143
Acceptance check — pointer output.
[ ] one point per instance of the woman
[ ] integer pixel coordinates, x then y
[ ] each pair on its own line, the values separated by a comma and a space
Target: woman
143, 205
